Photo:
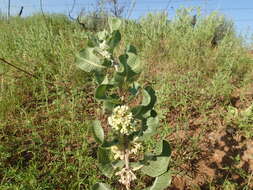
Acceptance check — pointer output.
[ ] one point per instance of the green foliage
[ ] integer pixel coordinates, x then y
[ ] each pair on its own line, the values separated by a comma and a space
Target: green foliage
126, 71
162, 182
101, 186
114, 24
104, 161
158, 164
241, 118
98, 131
44, 133
88, 61
3, 69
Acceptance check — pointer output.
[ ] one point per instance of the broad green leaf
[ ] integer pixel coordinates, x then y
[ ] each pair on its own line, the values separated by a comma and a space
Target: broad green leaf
101, 91
135, 88
108, 144
98, 131
146, 98
118, 79
161, 182
88, 61
104, 161
152, 123
136, 165
134, 62
114, 40
103, 155
150, 113
133, 59
121, 75
114, 23
148, 102
101, 186
128, 69
102, 35
109, 101
108, 106
106, 80
149, 97
119, 164
157, 166
124, 69
131, 49
99, 77
107, 170
159, 163
93, 41
163, 148
137, 112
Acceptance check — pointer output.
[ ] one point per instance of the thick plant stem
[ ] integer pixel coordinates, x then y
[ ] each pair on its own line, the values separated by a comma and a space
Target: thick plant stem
128, 183
126, 159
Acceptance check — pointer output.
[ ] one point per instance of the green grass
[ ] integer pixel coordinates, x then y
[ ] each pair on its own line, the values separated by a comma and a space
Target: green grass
45, 139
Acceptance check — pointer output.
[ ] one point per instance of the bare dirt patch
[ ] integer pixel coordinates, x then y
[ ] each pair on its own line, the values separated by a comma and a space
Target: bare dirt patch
223, 154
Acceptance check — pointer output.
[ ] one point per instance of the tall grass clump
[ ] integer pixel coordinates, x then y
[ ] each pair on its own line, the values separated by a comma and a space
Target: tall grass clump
206, 55
43, 125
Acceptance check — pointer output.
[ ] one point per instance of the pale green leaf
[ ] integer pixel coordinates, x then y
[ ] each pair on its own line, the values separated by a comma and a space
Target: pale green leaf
146, 108
119, 164
162, 182
108, 106
102, 35
152, 124
99, 77
134, 62
114, 40
146, 98
131, 49
101, 186
88, 61
136, 165
149, 97
135, 88
104, 161
158, 164
114, 23
163, 148
98, 131
101, 91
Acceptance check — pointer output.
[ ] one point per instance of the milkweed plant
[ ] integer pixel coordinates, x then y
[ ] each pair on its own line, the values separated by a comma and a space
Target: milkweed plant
128, 112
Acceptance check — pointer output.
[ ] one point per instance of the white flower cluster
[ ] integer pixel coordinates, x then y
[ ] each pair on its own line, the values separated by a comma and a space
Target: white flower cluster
135, 148
122, 120
126, 176
119, 152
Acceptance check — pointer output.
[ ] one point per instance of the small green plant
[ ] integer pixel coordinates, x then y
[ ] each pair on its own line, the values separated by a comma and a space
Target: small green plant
243, 119
128, 111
